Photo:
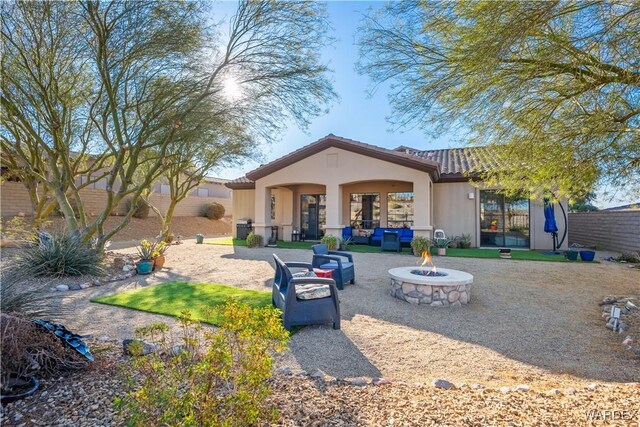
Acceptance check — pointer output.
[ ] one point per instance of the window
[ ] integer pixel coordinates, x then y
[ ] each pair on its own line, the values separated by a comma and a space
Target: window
365, 210
100, 183
400, 210
273, 207
203, 192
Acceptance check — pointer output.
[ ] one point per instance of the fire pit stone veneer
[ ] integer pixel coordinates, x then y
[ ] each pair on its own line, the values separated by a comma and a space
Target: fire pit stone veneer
414, 285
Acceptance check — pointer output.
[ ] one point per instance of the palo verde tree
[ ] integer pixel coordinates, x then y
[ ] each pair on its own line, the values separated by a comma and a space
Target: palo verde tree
106, 89
552, 87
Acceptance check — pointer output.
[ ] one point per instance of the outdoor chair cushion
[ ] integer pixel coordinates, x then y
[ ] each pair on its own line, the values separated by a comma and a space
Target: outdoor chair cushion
312, 291
334, 265
304, 274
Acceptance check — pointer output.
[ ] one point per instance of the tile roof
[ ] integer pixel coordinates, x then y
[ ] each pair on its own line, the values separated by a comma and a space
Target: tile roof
449, 164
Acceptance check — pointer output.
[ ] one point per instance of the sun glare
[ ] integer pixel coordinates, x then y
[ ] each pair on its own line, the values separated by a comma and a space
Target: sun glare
231, 89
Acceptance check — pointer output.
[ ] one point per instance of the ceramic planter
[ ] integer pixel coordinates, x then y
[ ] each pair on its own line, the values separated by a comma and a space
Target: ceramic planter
144, 266
442, 251
587, 255
571, 255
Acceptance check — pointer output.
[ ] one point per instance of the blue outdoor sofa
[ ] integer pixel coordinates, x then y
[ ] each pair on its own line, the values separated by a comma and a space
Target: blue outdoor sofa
405, 234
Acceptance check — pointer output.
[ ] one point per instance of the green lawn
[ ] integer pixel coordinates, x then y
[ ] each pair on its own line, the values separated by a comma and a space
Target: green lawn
525, 255
174, 297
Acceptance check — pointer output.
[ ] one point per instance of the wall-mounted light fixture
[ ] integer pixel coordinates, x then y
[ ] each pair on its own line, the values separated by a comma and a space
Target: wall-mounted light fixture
471, 195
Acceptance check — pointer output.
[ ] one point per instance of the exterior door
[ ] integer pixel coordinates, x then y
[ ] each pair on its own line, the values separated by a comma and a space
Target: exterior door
313, 215
504, 221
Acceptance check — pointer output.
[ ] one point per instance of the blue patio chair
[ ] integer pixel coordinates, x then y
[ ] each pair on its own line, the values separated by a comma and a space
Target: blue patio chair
390, 241
343, 270
305, 299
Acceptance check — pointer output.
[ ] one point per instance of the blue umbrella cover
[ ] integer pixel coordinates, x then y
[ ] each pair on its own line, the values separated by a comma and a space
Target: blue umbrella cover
550, 225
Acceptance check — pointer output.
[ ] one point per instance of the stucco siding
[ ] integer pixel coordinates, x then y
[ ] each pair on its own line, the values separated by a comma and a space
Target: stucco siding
454, 212
243, 207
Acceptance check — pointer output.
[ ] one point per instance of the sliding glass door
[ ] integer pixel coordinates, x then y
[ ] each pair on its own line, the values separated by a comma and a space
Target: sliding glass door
504, 221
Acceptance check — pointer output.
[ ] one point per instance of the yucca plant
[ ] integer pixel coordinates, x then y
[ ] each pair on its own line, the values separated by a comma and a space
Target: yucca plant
60, 254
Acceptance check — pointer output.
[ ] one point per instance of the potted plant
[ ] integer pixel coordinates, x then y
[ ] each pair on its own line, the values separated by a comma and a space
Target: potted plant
464, 241
158, 254
442, 244
146, 251
331, 242
420, 244
571, 255
344, 244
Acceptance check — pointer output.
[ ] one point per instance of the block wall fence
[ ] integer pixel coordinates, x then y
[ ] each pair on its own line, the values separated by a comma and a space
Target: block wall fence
617, 231
14, 199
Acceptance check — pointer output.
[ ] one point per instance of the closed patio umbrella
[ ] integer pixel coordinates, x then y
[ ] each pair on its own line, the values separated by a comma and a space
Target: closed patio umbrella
550, 225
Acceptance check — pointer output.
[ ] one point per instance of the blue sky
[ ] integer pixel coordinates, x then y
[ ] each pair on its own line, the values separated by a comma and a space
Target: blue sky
356, 115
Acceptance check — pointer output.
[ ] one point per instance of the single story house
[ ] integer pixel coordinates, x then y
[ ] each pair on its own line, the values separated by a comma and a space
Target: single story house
337, 182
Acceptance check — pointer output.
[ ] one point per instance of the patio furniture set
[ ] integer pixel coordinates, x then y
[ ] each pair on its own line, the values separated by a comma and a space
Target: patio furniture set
389, 239
310, 296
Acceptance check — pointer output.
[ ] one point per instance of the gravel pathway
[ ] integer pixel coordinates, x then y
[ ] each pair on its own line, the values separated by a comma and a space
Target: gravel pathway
528, 322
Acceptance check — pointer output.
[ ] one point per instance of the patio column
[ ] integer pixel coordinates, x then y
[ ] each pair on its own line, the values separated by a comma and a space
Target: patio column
421, 206
334, 210
287, 213
262, 224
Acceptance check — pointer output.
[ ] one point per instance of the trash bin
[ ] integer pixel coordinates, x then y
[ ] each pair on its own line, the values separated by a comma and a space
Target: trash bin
243, 228
199, 239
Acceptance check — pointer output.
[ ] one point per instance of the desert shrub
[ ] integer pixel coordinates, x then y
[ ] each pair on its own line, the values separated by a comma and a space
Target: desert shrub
254, 240
213, 211
215, 378
141, 208
17, 296
420, 244
29, 349
632, 257
61, 255
331, 242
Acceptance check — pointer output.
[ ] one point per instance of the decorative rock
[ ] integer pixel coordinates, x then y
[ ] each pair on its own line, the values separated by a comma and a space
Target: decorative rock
504, 390
608, 300
177, 349
380, 381
285, 370
85, 285
97, 283
454, 296
570, 390
104, 338
75, 287
523, 387
456, 304
118, 263
436, 304
592, 386
17, 417
628, 340
623, 327
477, 386
631, 306
146, 347
318, 374
408, 287
553, 391
464, 298
126, 268
358, 382
413, 300
62, 288
443, 384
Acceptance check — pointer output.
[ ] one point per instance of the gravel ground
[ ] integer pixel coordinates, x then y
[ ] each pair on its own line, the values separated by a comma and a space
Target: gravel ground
535, 323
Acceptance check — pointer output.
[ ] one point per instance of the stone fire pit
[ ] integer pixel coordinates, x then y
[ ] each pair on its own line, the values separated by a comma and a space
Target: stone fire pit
418, 285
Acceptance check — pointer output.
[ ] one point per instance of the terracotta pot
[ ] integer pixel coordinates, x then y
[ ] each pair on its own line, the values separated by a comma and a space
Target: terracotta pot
158, 262
442, 251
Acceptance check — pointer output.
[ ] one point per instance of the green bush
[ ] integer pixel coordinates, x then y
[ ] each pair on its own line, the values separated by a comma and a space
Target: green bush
254, 240
331, 242
141, 209
61, 255
420, 244
215, 378
213, 211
